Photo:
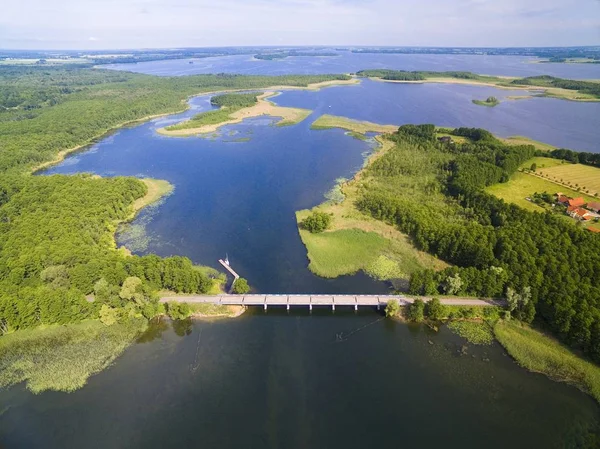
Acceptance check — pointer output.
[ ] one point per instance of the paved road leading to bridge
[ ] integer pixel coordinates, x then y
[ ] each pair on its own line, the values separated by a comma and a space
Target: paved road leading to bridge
322, 300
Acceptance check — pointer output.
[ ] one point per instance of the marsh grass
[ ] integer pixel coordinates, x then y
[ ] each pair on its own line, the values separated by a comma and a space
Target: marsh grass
62, 358
539, 353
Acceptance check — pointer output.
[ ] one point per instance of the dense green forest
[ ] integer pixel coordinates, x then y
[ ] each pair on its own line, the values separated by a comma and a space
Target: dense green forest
234, 100
57, 232
433, 191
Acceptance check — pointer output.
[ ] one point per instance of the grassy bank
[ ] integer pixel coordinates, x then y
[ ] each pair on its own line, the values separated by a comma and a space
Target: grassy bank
356, 241
542, 354
215, 311
157, 189
62, 358
327, 121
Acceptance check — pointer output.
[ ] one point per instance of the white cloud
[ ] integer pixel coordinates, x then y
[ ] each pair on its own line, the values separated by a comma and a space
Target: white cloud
158, 23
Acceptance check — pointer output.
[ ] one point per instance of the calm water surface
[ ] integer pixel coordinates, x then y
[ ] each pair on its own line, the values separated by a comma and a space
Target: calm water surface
348, 62
237, 193
295, 380
279, 380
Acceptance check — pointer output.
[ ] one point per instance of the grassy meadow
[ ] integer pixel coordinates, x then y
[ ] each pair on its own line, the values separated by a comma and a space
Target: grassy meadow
522, 185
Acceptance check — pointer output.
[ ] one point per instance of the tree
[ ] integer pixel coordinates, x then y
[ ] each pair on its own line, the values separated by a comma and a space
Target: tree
56, 276
131, 290
533, 167
241, 286
392, 308
317, 222
453, 284
435, 310
102, 290
416, 311
108, 315
178, 310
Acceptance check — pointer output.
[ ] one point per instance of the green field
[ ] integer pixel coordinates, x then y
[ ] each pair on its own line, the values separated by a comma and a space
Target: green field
576, 175
540, 353
346, 251
521, 140
543, 162
523, 185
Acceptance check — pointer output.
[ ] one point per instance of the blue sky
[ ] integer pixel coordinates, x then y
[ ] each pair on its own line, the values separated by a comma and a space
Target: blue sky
102, 24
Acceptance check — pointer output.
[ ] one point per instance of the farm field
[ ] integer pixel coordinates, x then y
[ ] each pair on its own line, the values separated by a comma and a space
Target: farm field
523, 185
578, 175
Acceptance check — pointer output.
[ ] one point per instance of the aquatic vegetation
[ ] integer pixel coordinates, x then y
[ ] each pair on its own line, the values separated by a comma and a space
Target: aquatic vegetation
62, 358
384, 268
476, 332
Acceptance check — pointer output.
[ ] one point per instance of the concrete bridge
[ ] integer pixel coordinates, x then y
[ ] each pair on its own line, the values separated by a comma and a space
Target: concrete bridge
332, 301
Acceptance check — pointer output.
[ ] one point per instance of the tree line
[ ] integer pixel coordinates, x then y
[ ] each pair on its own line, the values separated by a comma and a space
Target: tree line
434, 192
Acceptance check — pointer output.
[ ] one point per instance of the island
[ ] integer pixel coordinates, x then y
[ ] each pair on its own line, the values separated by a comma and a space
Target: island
489, 101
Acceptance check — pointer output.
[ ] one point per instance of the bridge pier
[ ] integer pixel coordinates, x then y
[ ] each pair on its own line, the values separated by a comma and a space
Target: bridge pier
333, 307
265, 306
288, 306
356, 307
310, 307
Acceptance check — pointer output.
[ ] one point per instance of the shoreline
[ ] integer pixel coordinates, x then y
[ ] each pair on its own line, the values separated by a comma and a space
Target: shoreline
62, 154
550, 92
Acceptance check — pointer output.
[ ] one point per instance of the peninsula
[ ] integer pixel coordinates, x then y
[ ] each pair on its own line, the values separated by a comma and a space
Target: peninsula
548, 86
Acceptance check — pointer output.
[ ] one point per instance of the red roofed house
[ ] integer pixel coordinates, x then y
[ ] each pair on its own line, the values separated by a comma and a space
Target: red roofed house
580, 213
594, 206
563, 199
593, 229
576, 202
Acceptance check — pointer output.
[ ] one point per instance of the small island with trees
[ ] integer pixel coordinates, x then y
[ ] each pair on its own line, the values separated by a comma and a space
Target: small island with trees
489, 101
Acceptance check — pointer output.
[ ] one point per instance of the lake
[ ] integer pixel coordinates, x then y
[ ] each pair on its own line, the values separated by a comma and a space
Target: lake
277, 380
298, 380
237, 192
348, 62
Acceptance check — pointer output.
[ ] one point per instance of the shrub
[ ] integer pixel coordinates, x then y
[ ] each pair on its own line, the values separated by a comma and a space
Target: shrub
436, 310
241, 286
416, 311
178, 310
392, 308
317, 222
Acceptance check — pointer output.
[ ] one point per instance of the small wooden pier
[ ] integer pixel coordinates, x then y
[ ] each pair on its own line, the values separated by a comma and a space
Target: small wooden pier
236, 276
